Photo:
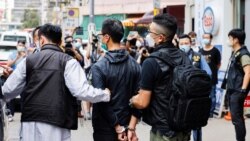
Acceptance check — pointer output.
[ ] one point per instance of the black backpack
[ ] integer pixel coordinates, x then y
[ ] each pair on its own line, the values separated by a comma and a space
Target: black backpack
189, 103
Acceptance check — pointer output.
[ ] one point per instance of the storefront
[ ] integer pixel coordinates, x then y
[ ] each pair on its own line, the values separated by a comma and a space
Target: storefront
218, 17
98, 23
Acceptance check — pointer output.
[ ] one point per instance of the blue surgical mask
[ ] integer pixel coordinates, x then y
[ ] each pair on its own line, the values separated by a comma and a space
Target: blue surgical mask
185, 48
21, 49
104, 47
77, 45
206, 41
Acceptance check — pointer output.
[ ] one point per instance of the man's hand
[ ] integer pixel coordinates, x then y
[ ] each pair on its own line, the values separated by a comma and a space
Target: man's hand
122, 136
7, 71
121, 131
132, 136
107, 91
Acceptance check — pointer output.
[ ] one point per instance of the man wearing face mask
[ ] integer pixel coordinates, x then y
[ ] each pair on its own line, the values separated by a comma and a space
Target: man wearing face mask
238, 80
198, 61
194, 45
49, 82
155, 86
119, 72
213, 58
14, 59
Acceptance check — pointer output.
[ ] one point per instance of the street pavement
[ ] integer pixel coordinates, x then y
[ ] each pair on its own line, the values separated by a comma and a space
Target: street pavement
216, 130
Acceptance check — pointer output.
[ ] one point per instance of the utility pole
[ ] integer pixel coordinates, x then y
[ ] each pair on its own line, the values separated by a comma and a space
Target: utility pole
91, 31
42, 12
91, 12
91, 26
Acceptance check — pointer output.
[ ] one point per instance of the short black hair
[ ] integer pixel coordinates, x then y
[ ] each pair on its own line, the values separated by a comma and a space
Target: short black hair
238, 34
67, 37
51, 32
114, 29
34, 31
21, 41
210, 35
192, 34
185, 36
168, 22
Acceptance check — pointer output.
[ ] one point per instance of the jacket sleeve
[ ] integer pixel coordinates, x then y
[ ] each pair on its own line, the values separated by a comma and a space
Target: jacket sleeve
98, 81
135, 112
205, 66
16, 82
78, 85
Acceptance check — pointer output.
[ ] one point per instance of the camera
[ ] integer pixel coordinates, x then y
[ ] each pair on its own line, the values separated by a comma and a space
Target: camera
95, 39
68, 45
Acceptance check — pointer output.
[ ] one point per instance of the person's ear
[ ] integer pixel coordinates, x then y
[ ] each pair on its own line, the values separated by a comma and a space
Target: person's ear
161, 38
106, 38
60, 43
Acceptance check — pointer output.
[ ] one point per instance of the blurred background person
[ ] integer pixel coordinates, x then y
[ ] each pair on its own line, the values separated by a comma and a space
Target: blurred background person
14, 59
194, 43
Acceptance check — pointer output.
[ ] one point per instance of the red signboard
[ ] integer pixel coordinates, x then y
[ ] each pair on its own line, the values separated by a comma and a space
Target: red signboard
247, 101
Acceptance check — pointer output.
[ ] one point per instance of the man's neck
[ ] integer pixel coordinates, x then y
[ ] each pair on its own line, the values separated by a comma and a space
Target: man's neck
236, 47
208, 47
114, 47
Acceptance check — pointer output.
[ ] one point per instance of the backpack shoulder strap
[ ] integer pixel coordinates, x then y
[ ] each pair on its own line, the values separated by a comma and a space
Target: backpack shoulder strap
164, 58
240, 53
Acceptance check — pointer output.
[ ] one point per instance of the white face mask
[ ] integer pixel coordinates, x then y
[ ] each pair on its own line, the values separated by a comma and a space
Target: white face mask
77, 45
206, 41
21, 48
185, 48
150, 41
138, 43
230, 43
38, 46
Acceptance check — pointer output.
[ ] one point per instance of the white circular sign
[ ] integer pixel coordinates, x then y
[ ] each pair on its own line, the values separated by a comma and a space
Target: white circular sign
210, 21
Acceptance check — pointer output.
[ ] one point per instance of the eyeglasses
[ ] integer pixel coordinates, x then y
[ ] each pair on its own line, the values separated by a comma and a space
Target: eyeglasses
155, 33
101, 34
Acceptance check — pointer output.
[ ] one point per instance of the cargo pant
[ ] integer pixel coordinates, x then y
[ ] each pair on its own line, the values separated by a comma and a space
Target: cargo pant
179, 137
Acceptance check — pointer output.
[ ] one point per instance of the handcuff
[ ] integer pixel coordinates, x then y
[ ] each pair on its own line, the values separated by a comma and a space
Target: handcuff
123, 129
131, 103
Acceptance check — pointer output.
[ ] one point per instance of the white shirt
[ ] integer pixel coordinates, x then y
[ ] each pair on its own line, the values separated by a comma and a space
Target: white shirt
77, 84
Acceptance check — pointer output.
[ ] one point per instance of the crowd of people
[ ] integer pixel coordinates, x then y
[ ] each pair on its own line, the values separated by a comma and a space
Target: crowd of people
121, 79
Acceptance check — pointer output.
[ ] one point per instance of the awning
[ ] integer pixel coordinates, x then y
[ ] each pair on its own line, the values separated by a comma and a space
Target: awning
130, 22
146, 18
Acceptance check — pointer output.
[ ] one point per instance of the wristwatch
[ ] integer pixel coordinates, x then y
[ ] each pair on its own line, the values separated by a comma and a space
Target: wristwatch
243, 91
131, 129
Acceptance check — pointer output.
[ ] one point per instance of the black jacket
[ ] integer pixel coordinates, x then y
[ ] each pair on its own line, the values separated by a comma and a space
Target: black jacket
236, 72
45, 97
157, 112
120, 73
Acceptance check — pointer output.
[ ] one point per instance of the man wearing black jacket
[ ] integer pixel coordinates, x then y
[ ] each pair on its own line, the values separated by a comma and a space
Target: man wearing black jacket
119, 72
156, 79
238, 80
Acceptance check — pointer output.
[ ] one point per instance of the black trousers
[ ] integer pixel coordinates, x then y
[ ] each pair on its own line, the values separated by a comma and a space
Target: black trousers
11, 106
236, 103
105, 136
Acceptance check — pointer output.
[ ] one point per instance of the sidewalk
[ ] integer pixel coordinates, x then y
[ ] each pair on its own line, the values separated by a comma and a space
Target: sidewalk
216, 130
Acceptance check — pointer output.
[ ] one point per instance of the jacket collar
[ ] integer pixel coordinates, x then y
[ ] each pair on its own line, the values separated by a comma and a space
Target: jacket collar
167, 44
52, 47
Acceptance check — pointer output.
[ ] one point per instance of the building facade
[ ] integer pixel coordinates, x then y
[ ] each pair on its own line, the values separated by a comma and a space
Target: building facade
124, 10
218, 17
